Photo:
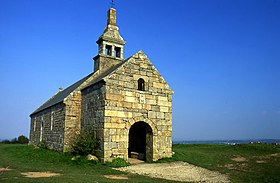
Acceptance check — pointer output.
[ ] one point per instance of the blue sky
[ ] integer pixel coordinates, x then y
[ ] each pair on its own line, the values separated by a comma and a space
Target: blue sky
221, 57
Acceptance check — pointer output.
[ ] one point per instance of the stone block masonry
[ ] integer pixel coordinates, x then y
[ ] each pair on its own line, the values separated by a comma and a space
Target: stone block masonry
124, 105
48, 126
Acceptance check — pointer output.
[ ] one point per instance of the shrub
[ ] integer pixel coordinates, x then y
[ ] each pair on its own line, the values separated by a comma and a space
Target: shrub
43, 144
82, 160
84, 144
14, 141
118, 162
6, 141
23, 139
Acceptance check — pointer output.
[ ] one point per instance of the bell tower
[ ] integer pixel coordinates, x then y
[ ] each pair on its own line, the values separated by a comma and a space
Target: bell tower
110, 45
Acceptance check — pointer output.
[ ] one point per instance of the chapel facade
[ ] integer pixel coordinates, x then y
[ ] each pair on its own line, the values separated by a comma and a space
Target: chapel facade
125, 103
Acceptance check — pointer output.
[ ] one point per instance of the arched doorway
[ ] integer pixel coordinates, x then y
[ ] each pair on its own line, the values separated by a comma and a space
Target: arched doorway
141, 142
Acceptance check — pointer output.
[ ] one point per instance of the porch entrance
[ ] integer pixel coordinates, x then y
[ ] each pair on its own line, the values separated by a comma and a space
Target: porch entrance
141, 142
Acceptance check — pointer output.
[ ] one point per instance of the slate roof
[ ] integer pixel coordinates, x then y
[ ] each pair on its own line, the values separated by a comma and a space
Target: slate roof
101, 76
58, 97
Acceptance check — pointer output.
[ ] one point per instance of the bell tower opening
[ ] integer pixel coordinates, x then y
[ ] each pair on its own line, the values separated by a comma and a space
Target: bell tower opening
108, 50
118, 52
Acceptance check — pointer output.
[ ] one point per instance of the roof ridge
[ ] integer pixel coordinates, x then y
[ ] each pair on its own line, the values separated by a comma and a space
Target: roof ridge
104, 74
61, 95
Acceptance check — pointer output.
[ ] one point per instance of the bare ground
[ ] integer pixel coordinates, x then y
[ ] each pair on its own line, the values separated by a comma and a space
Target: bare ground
116, 177
39, 174
239, 159
177, 171
4, 169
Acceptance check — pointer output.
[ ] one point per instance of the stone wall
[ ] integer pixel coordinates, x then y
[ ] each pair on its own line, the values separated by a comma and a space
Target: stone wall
103, 63
126, 105
73, 105
48, 126
93, 105
67, 121
72, 118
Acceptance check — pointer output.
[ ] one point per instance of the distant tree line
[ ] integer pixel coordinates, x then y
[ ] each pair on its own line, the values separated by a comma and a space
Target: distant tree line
20, 140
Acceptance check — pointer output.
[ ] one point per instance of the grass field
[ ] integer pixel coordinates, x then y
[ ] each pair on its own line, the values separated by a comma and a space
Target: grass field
22, 158
243, 163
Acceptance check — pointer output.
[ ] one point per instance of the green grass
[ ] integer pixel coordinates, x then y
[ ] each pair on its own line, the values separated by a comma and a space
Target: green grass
23, 158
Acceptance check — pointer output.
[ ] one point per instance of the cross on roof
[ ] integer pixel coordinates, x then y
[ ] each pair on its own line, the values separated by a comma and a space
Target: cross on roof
112, 4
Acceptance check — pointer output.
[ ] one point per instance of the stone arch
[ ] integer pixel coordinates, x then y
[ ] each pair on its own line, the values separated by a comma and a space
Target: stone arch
140, 141
146, 120
154, 128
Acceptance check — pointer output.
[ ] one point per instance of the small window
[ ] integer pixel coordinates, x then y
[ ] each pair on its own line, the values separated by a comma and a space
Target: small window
42, 121
52, 120
141, 84
34, 124
41, 130
118, 52
108, 50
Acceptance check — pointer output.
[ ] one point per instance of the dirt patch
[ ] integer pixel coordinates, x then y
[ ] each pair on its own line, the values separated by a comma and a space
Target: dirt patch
266, 158
229, 166
239, 159
177, 171
4, 169
39, 174
237, 166
275, 155
116, 177
260, 161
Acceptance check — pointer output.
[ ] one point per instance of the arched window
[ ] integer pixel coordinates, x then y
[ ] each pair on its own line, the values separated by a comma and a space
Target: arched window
141, 84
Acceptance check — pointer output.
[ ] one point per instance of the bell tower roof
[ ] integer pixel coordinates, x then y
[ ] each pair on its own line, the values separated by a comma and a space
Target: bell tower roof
111, 32
110, 44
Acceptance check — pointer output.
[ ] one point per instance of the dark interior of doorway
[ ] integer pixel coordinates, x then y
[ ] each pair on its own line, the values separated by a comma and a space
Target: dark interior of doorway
138, 140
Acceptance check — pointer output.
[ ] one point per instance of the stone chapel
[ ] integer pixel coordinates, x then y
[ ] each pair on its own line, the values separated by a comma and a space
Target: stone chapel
125, 103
